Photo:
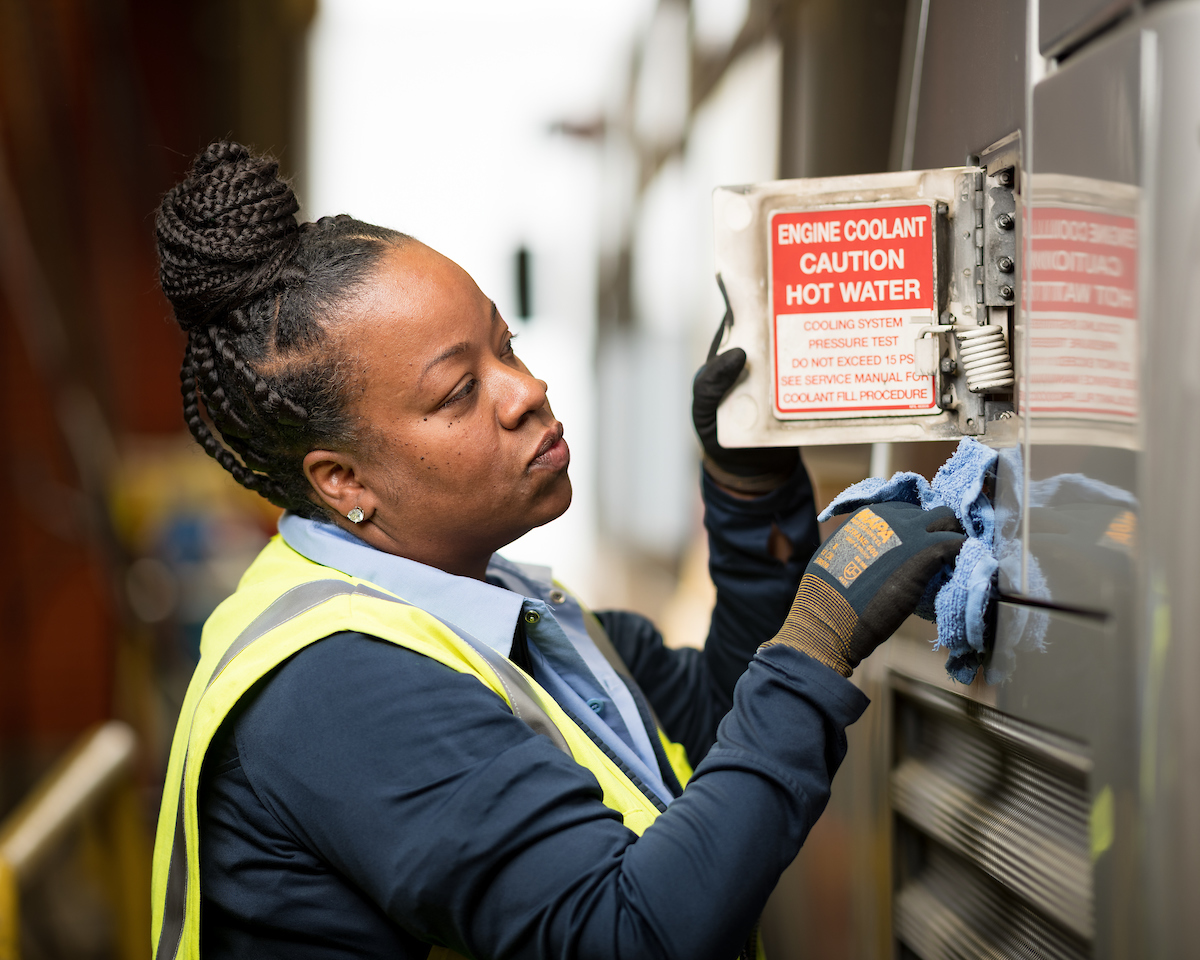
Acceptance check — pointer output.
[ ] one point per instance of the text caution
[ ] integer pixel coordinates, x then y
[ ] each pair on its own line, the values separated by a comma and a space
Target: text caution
1083, 345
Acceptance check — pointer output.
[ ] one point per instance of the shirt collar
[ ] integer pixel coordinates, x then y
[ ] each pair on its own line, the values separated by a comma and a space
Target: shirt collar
570, 662
487, 613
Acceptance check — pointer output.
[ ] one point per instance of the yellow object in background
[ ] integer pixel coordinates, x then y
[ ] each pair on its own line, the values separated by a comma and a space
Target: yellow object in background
86, 807
10, 931
1101, 823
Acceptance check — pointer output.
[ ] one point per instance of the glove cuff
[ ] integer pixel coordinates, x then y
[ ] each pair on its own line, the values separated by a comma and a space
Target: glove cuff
821, 623
757, 484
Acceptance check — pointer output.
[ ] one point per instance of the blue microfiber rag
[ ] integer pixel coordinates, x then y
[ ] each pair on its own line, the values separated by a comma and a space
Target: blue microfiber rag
958, 599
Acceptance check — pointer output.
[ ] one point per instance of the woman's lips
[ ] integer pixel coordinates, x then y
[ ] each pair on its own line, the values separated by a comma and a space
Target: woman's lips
553, 453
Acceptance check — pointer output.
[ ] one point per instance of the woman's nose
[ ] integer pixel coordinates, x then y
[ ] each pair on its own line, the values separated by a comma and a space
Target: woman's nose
520, 394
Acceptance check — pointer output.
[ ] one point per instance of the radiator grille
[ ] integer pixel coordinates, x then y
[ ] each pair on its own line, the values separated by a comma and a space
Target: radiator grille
952, 911
991, 832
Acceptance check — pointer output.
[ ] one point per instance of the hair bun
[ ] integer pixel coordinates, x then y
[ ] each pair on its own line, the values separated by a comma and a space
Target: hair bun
224, 233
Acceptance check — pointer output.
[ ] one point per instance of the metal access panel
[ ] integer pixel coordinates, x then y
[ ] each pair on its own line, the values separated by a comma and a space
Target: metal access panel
871, 308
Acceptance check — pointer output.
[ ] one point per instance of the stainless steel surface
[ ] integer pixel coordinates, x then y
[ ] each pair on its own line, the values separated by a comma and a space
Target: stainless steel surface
1087, 114
1063, 24
1083, 494
1169, 521
972, 89
1099, 522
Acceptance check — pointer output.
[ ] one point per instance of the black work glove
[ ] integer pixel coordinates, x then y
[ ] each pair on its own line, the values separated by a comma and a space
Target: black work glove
866, 579
750, 470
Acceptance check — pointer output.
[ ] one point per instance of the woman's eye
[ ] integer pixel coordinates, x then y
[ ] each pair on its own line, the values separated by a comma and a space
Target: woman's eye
508, 347
461, 394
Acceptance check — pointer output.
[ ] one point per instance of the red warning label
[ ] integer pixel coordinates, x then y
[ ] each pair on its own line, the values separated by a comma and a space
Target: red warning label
852, 288
1083, 356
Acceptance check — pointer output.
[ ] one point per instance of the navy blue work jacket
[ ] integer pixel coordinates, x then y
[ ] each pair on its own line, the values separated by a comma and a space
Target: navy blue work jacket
364, 801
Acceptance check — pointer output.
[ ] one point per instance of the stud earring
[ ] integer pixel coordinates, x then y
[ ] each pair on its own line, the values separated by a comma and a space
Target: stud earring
356, 515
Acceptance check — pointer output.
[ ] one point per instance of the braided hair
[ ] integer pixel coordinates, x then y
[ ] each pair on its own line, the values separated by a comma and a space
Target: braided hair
255, 291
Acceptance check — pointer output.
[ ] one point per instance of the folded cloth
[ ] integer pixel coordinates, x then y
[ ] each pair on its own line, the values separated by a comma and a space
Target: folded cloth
959, 599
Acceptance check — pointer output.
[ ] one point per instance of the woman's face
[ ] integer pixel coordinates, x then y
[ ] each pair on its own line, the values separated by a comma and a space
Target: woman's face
459, 452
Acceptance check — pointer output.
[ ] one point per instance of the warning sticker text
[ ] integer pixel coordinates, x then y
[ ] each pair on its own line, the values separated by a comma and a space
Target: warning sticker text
1083, 344
852, 289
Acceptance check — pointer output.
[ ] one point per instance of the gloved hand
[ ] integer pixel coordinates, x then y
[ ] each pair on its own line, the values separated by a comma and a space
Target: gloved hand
753, 470
866, 579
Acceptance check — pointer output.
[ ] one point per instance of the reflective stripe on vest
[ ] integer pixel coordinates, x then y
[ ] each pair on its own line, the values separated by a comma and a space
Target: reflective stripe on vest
289, 603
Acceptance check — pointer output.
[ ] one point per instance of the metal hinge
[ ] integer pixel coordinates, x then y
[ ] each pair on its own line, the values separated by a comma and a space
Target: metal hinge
977, 209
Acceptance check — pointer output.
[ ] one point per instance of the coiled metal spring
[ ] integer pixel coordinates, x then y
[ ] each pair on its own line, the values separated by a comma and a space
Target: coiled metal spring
983, 356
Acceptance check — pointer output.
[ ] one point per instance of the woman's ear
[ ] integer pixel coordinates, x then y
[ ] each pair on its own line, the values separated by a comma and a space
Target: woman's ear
336, 479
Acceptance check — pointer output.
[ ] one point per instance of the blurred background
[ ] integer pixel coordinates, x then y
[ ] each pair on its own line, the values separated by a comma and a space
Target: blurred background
563, 153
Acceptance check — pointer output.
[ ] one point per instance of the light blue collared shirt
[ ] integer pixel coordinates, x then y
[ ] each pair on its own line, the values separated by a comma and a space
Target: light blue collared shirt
566, 662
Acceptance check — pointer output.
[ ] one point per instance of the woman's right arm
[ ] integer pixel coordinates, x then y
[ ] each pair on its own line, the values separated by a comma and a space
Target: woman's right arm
468, 830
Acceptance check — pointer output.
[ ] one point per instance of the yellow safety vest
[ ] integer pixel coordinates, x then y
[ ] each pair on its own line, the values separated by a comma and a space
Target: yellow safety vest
284, 603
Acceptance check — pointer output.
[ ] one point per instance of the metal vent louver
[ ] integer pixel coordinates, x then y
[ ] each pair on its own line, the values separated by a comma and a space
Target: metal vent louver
992, 821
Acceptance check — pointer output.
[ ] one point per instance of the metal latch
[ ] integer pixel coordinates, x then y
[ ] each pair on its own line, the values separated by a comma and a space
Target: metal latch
978, 373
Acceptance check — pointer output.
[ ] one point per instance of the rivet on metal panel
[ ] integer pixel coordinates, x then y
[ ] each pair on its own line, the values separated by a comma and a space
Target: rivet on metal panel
1007, 292
1005, 264
1004, 221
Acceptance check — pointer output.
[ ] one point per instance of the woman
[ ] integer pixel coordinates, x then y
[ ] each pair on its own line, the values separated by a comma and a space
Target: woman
398, 742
